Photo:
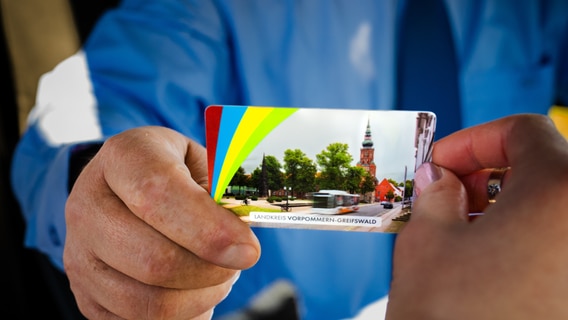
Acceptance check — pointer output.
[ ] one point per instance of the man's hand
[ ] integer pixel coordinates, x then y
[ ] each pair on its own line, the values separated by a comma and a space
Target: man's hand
510, 263
144, 238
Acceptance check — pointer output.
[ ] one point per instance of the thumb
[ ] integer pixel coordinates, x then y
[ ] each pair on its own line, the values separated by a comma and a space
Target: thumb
427, 240
441, 196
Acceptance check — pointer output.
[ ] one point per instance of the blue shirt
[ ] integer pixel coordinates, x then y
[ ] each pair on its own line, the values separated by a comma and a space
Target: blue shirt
162, 62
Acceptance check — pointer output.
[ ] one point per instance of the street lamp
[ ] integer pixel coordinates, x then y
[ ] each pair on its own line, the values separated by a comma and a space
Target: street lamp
286, 193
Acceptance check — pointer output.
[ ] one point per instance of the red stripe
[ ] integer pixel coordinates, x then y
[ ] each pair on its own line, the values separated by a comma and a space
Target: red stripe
212, 123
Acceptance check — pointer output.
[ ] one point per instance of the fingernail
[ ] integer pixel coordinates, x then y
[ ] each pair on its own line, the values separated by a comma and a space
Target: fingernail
425, 175
240, 256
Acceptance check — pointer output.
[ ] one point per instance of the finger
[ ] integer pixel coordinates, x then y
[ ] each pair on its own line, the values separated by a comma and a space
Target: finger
477, 185
144, 254
152, 179
438, 211
442, 197
132, 299
506, 142
526, 143
195, 162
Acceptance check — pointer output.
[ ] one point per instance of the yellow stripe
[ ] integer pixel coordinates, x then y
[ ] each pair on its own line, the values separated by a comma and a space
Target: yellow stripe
252, 118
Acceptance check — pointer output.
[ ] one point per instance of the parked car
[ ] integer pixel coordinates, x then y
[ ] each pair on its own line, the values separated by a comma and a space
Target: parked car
387, 205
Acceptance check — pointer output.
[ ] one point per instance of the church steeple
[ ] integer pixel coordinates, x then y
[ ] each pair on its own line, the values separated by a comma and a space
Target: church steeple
367, 156
367, 141
367, 159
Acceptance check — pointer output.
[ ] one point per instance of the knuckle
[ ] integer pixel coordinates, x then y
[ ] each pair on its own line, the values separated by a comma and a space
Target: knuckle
161, 267
178, 304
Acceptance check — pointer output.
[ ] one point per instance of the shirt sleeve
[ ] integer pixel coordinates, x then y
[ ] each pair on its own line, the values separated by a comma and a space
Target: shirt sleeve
64, 116
161, 63
145, 63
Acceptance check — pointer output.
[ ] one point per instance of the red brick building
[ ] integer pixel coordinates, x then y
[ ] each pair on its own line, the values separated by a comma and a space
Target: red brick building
383, 188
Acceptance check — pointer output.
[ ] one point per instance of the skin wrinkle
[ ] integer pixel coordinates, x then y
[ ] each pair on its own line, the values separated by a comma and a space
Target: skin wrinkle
156, 265
194, 164
150, 272
73, 213
478, 162
153, 188
470, 151
150, 197
100, 265
158, 302
154, 299
120, 224
503, 143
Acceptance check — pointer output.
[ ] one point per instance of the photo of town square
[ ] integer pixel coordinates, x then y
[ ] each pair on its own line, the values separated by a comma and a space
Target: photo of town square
334, 169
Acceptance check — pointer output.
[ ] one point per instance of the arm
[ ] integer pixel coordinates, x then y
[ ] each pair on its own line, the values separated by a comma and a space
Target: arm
149, 64
122, 259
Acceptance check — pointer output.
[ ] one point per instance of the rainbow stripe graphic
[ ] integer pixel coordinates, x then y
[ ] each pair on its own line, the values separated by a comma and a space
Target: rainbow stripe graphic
232, 133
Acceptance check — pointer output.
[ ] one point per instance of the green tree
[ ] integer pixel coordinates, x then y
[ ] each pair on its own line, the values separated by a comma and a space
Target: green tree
368, 183
393, 182
334, 162
240, 179
300, 171
256, 178
353, 179
408, 188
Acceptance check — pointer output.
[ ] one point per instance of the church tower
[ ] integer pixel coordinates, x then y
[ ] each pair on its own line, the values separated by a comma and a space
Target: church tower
367, 157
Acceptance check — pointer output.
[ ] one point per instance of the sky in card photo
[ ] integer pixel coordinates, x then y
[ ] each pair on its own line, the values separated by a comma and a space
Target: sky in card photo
312, 130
